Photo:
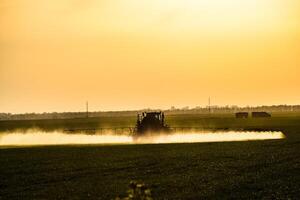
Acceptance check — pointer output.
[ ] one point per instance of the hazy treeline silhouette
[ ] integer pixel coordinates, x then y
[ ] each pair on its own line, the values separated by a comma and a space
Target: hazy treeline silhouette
172, 110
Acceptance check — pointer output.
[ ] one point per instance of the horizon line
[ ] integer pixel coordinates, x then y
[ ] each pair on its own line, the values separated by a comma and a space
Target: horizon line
161, 109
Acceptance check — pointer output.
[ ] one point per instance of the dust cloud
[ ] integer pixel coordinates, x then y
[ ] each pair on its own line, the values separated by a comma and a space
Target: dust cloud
60, 138
199, 137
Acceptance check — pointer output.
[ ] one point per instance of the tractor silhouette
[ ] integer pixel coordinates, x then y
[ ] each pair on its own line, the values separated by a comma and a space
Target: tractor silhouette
151, 122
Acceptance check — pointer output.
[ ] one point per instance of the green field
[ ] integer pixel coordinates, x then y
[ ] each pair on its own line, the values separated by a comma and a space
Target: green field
257, 169
211, 122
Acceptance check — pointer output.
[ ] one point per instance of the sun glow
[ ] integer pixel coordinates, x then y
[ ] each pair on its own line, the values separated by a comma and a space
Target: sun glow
202, 16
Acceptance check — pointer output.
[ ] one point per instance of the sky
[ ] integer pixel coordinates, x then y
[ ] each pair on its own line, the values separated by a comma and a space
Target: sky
133, 54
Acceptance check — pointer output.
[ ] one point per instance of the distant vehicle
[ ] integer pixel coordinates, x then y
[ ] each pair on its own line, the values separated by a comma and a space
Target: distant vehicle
241, 115
151, 122
260, 114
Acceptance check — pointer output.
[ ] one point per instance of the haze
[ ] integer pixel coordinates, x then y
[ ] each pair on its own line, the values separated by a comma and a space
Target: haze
132, 54
58, 138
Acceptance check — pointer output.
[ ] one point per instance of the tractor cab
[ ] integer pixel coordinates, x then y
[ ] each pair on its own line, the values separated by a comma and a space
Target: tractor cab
150, 122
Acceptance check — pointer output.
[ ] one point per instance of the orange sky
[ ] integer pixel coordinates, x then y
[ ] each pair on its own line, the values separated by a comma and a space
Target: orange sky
132, 54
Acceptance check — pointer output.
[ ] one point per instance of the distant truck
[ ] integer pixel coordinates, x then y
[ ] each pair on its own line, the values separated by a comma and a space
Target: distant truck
260, 114
151, 122
253, 114
241, 115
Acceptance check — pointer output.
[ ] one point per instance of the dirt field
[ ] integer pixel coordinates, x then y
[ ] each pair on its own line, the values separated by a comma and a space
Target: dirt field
258, 169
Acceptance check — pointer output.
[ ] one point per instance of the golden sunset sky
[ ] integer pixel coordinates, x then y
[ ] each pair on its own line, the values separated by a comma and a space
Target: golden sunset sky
133, 54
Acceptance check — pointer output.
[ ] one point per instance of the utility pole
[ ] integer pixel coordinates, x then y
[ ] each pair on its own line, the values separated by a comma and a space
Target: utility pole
209, 109
87, 109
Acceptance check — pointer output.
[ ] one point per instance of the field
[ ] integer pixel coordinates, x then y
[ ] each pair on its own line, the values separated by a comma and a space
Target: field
279, 121
258, 169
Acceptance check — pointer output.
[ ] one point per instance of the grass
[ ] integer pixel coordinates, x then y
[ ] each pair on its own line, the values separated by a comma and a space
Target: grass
248, 170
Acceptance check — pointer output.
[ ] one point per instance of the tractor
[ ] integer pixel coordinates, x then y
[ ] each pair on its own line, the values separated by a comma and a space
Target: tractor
151, 122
